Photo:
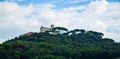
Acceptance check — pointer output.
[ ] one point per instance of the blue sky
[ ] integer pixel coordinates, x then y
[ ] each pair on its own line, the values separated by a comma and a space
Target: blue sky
21, 16
59, 3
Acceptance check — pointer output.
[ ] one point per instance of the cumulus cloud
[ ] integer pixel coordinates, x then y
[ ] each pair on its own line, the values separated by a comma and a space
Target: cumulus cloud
99, 16
15, 19
76, 1
2, 40
98, 6
13, 15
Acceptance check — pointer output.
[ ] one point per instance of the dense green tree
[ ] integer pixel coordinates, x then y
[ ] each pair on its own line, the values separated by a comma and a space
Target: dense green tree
74, 44
60, 30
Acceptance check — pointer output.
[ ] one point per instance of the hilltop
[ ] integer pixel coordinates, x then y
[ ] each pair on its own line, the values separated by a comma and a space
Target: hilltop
59, 43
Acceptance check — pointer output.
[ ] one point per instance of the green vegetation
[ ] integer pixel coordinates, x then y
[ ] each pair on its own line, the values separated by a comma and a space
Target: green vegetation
74, 44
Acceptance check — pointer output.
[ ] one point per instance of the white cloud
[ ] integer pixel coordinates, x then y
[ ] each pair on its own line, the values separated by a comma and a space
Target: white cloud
98, 25
14, 0
2, 40
98, 6
98, 15
16, 16
75, 1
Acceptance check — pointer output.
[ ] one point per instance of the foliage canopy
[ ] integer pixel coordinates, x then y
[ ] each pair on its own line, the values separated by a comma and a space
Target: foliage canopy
74, 44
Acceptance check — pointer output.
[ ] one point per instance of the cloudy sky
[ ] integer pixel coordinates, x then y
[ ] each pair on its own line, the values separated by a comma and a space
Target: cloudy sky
21, 16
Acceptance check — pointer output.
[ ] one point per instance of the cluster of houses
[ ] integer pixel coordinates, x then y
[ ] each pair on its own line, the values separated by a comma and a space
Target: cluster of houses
27, 34
42, 30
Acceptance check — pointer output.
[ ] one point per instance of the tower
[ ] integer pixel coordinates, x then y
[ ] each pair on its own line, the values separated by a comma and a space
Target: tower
41, 29
51, 26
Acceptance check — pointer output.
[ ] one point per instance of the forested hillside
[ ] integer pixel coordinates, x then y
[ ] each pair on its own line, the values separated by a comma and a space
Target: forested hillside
74, 44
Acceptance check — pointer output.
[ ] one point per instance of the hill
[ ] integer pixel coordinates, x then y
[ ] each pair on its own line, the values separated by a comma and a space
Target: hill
74, 44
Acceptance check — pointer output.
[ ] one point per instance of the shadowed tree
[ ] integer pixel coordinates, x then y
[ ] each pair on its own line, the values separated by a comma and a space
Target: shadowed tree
80, 44
60, 30
76, 31
95, 35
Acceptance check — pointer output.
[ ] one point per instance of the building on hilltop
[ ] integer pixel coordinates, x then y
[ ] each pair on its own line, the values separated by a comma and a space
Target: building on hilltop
49, 30
27, 34
45, 29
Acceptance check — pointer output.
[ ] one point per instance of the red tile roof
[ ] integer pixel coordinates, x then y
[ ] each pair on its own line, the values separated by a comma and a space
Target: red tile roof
27, 34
